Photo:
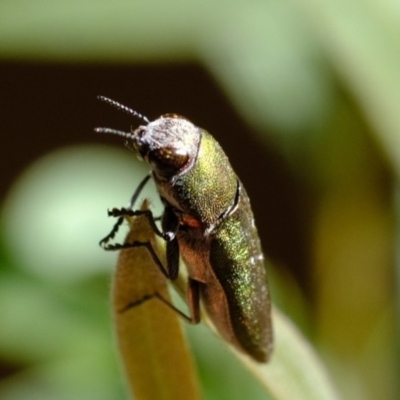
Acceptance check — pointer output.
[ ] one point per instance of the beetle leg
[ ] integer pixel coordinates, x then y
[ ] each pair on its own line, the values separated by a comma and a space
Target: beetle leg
170, 226
188, 318
113, 232
132, 201
162, 299
124, 212
165, 271
138, 190
170, 223
193, 296
172, 253
172, 250
136, 303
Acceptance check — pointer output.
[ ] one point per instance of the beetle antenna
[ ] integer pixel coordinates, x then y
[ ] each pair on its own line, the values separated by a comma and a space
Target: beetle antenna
126, 135
123, 108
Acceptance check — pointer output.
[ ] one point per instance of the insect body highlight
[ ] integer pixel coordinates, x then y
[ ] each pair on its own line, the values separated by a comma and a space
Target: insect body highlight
207, 219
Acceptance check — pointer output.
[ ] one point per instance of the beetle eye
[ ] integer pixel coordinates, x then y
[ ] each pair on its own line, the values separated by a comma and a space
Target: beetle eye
167, 161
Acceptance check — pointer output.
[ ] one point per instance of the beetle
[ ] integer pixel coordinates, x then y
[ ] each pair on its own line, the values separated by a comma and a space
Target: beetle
208, 220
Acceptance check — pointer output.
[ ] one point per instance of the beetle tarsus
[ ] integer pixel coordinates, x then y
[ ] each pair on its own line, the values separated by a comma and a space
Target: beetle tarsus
113, 232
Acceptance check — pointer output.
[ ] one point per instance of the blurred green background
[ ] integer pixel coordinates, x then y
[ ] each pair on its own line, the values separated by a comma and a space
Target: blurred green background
303, 95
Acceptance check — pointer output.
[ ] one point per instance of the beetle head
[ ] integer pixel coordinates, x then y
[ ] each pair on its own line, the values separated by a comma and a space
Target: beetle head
169, 144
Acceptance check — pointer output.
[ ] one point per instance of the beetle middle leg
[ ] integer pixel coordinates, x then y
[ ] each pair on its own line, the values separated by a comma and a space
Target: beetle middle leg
172, 249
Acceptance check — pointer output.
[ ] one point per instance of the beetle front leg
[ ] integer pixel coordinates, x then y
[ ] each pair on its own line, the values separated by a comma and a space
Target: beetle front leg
113, 232
132, 202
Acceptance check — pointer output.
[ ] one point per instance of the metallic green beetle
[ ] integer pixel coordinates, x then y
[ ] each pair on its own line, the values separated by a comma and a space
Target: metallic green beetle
207, 219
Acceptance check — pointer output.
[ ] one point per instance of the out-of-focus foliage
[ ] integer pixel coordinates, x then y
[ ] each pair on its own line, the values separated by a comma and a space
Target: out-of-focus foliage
322, 77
